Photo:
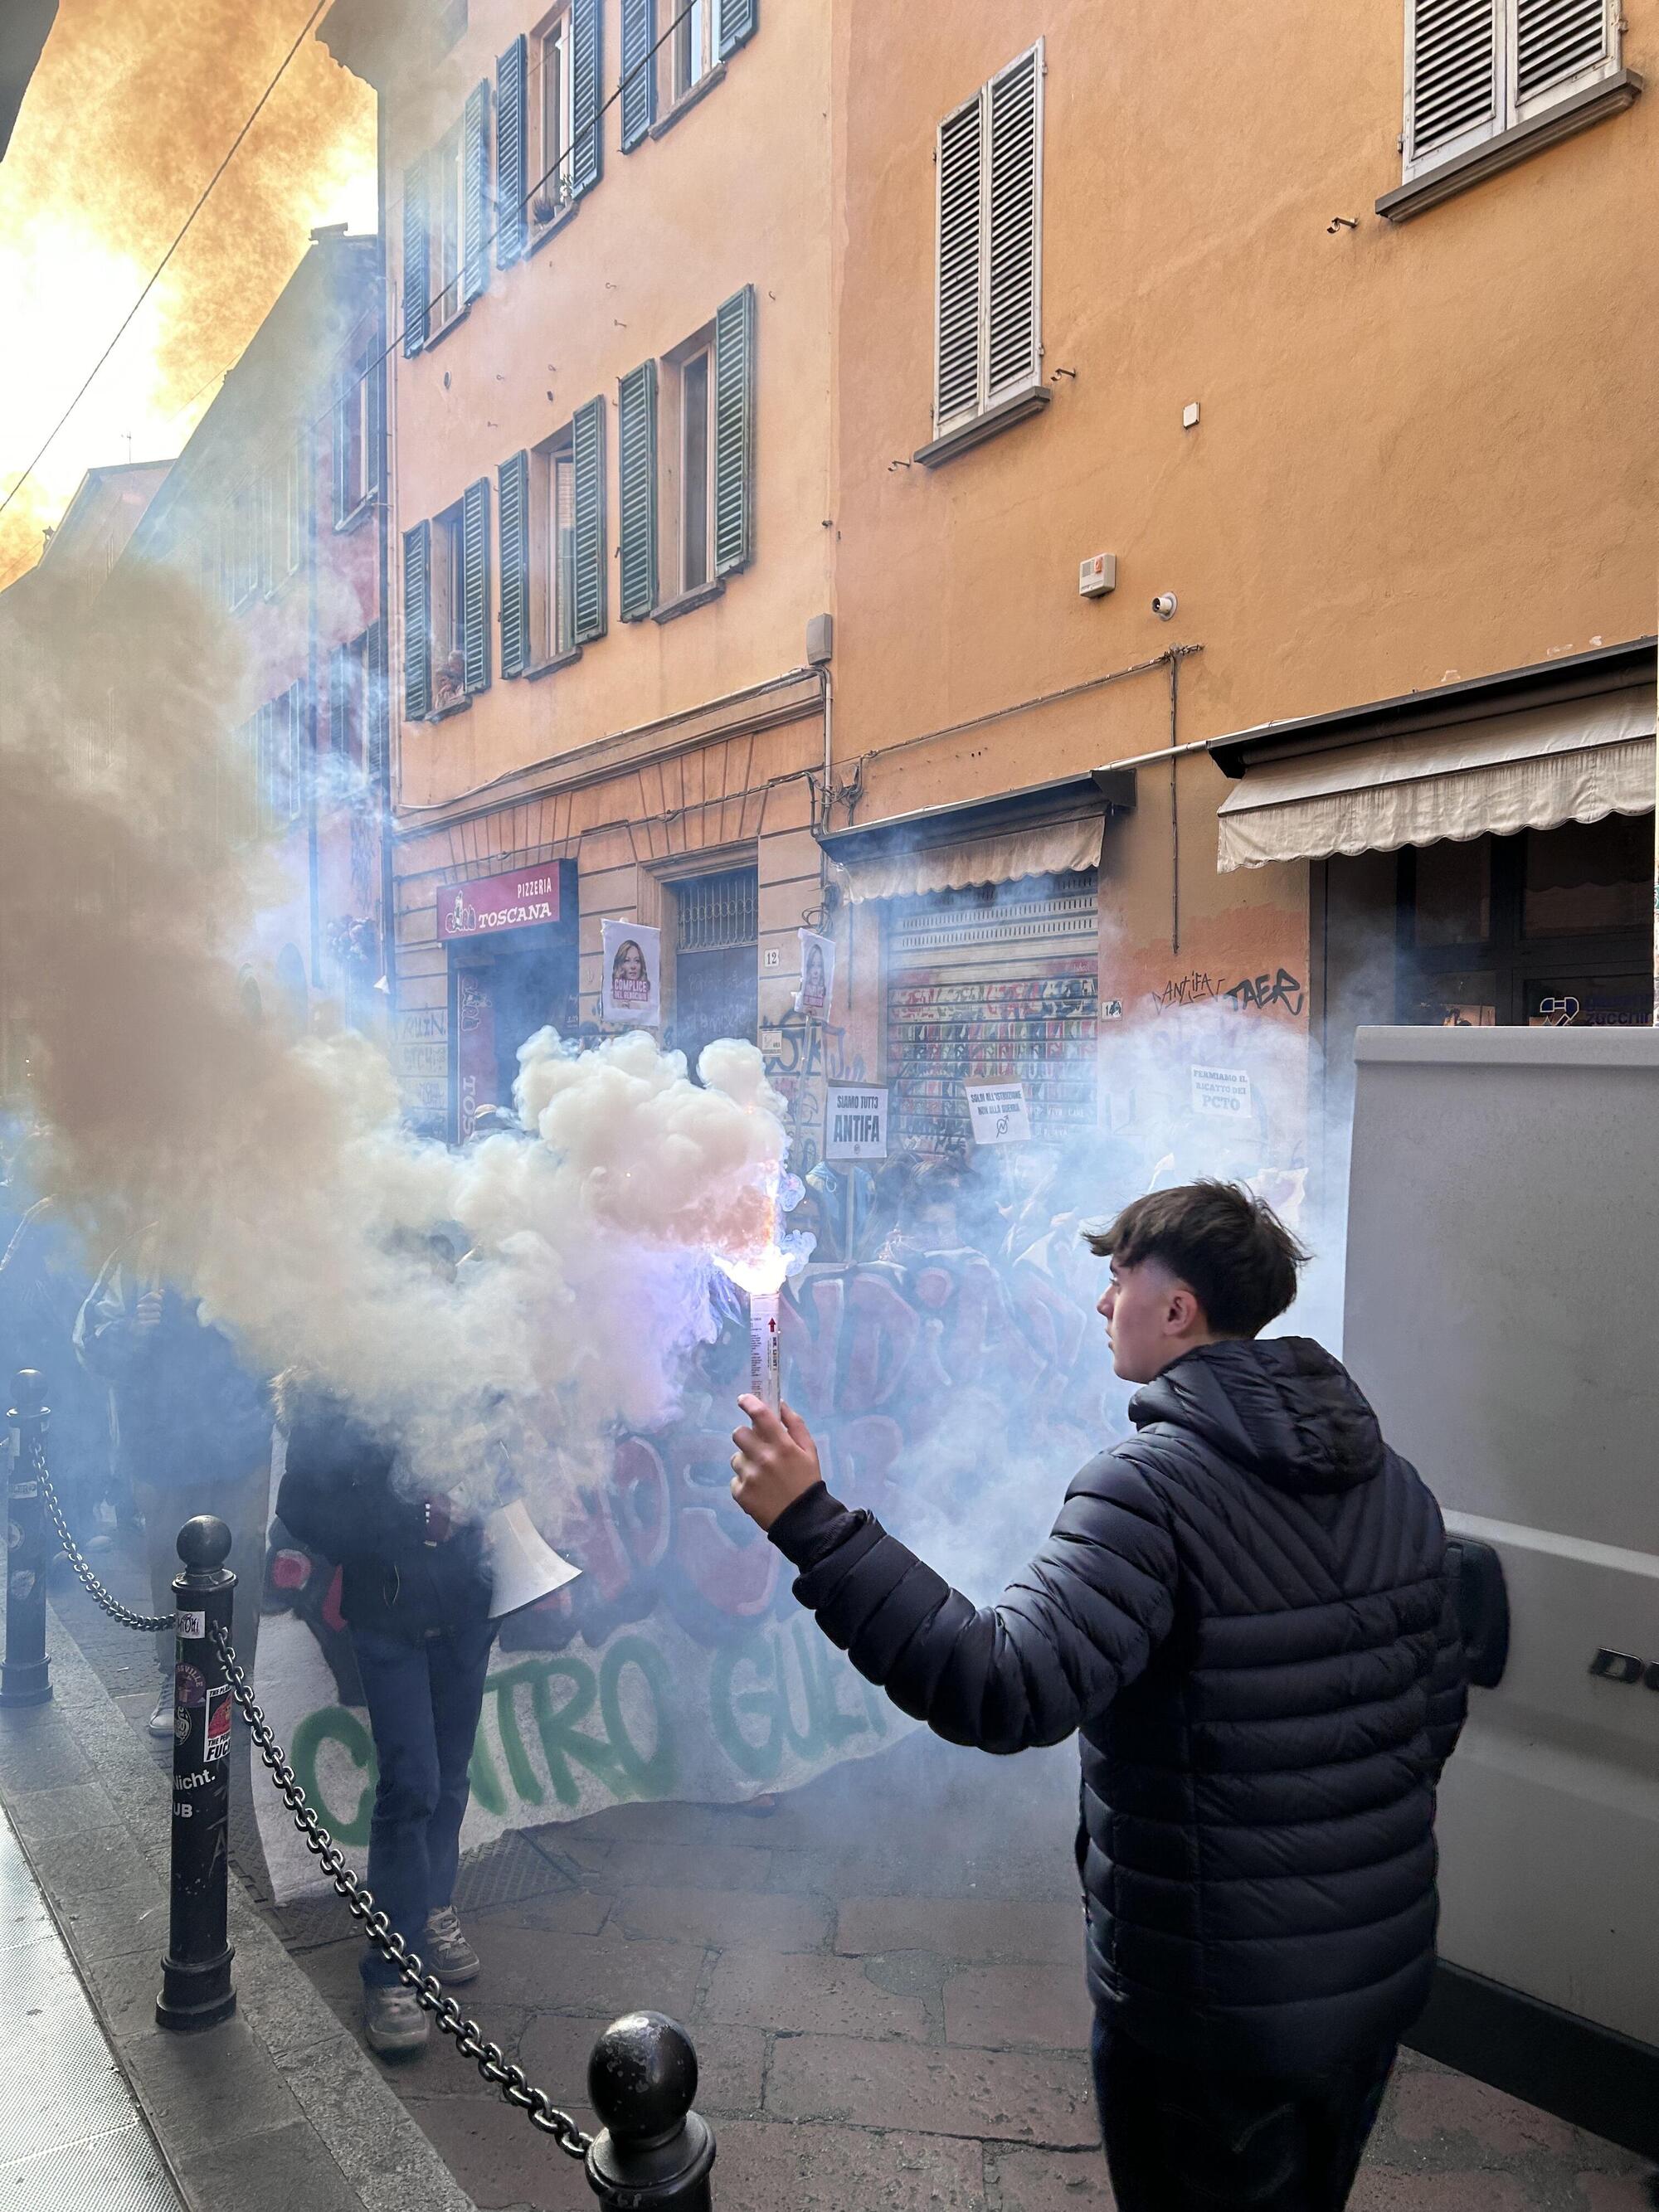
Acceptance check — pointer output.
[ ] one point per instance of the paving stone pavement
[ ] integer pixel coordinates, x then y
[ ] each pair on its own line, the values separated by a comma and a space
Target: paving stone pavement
884, 1981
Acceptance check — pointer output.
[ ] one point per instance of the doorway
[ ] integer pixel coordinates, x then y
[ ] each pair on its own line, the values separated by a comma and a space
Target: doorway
716, 991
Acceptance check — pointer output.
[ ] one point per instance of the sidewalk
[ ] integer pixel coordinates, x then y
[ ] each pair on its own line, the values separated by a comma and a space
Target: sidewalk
883, 1980
78, 2138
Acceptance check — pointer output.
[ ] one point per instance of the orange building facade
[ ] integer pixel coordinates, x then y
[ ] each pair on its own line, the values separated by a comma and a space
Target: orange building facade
1146, 543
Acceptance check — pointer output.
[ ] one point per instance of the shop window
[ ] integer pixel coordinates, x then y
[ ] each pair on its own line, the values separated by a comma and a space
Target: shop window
1453, 893
1589, 876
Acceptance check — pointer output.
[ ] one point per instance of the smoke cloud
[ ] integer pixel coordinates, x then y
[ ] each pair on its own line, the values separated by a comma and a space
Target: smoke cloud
283, 1189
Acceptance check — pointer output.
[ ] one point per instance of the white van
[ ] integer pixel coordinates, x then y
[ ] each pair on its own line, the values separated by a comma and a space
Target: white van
1503, 1314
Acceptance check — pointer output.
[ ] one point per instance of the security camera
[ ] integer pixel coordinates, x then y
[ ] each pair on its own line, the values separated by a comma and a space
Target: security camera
1164, 605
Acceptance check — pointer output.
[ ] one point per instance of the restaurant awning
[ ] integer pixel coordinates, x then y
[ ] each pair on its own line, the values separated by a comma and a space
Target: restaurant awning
1533, 767
1051, 830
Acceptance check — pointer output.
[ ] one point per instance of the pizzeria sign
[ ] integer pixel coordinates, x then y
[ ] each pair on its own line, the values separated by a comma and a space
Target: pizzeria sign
520, 900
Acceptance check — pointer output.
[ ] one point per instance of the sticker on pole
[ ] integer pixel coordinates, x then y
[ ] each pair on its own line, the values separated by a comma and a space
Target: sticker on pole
999, 1113
1222, 1092
857, 1123
190, 1627
14, 1536
218, 1725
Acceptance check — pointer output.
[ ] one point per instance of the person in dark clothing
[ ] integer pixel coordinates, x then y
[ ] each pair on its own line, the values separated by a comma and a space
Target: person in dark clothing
1243, 1609
192, 1434
415, 1594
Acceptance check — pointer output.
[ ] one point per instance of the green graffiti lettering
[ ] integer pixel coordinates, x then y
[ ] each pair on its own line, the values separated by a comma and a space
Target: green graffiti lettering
507, 1685
334, 1725
726, 1702
562, 1740
656, 1776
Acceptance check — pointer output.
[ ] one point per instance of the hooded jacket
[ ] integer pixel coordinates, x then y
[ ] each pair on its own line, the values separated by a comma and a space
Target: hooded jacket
337, 1497
1243, 1610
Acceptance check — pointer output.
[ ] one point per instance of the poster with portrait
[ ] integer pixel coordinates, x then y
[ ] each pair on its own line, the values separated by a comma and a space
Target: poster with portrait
817, 975
631, 960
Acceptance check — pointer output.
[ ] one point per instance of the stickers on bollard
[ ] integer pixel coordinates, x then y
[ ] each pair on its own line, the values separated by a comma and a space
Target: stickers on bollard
28, 1489
14, 1536
218, 1725
190, 1627
23, 1582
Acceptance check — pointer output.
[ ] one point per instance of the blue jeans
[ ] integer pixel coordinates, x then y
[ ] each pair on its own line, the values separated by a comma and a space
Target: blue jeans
1179, 2139
424, 1697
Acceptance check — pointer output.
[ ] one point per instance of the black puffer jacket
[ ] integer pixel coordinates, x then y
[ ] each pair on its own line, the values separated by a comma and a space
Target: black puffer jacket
1243, 1610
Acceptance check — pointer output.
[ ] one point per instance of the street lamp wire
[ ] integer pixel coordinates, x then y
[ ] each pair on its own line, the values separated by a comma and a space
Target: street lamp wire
156, 273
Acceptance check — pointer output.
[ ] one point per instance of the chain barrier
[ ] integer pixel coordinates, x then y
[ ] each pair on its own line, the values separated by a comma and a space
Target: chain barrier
470, 2041
151, 1624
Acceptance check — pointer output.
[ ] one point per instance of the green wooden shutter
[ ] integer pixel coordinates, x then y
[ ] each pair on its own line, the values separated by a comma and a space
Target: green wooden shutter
475, 585
587, 456
417, 621
513, 477
637, 485
416, 272
474, 193
639, 68
512, 82
375, 702
339, 699
374, 459
734, 432
587, 58
740, 20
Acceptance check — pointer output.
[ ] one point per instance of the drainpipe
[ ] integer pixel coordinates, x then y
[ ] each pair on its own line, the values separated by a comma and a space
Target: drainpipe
383, 582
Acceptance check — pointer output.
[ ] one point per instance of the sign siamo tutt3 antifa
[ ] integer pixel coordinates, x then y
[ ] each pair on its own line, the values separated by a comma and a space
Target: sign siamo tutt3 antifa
679, 1665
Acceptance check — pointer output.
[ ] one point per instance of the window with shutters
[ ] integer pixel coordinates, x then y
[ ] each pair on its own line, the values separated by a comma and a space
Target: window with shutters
280, 725
446, 217
351, 681
356, 433
693, 45
687, 546
553, 548
283, 518
552, 118
701, 35
241, 545
990, 259
1476, 70
448, 607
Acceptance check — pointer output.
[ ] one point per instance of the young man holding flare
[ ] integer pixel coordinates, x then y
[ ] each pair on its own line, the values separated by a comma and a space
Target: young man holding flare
1243, 1610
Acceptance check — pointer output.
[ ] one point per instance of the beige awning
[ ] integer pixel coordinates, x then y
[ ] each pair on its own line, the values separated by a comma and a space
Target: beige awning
1575, 762
1054, 848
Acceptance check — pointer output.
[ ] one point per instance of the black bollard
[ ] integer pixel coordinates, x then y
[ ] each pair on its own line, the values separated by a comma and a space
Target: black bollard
653, 2153
26, 1676
195, 1989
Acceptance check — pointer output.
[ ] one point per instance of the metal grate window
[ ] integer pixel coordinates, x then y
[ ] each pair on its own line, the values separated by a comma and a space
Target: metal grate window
717, 913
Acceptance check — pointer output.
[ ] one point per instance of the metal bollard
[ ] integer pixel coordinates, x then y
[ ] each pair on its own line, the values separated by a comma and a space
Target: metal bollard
26, 1676
653, 2153
196, 1990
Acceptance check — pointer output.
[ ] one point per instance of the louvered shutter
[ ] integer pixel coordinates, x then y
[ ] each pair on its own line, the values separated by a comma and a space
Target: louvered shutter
957, 381
416, 272
587, 470
512, 85
1453, 98
734, 432
639, 65
339, 701
1014, 246
586, 136
740, 20
375, 415
346, 395
417, 621
375, 702
298, 750
475, 585
513, 477
636, 482
1559, 44
475, 192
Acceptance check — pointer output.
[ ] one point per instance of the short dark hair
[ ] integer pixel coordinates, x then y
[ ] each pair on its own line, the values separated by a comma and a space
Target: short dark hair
1227, 1245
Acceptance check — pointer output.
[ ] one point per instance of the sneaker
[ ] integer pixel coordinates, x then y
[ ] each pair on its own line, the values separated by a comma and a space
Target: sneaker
393, 2019
445, 1951
161, 1720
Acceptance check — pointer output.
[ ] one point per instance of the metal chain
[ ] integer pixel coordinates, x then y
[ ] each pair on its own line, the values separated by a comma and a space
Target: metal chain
150, 1623
470, 2039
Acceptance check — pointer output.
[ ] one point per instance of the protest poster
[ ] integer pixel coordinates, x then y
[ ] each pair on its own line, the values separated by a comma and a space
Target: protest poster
631, 963
1223, 1093
999, 1113
817, 975
855, 1122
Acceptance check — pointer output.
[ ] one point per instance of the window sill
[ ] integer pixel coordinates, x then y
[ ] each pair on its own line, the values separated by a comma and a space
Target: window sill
359, 514
689, 602
552, 667
1594, 105
455, 707
1016, 408
541, 232
436, 338
687, 101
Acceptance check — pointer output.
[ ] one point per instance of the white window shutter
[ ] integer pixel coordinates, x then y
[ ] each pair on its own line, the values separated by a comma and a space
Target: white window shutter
956, 386
1453, 78
1014, 207
1560, 46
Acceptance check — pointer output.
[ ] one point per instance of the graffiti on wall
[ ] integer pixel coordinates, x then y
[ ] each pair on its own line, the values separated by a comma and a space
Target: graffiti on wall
1281, 992
803, 1056
678, 1665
